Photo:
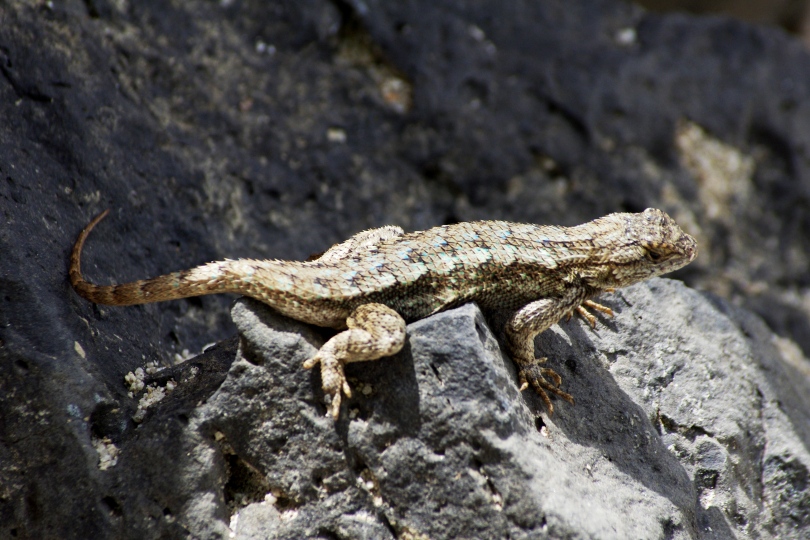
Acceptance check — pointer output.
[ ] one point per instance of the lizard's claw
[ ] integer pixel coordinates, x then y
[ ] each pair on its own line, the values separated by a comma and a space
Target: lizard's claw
585, 314
531, 374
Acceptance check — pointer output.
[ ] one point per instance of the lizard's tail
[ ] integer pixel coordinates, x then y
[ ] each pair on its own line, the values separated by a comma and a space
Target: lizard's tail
195, 282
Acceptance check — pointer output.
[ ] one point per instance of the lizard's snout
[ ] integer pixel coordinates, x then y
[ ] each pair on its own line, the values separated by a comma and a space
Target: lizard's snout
690, 246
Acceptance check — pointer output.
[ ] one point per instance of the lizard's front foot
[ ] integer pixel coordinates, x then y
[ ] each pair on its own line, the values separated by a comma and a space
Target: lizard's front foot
374, 331
542, 379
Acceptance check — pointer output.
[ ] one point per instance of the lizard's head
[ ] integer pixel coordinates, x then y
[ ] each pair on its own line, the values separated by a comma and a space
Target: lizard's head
645, 245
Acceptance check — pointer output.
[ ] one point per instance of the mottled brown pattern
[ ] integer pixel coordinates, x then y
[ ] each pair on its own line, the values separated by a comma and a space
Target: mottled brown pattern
525, 278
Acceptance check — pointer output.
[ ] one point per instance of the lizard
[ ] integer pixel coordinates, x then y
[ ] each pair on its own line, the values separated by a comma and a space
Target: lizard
524, 277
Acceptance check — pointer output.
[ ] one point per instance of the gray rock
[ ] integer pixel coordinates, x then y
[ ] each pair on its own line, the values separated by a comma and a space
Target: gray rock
689, 423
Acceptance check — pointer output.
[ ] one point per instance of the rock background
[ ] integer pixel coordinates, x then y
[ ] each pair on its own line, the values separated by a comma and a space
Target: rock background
256, 129
792, 15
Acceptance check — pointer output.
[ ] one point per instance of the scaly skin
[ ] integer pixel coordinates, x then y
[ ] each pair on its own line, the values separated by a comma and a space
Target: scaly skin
524, 277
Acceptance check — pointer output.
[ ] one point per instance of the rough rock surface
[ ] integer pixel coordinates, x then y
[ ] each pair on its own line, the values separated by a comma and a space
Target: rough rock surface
274, 129
689, 423
685, 426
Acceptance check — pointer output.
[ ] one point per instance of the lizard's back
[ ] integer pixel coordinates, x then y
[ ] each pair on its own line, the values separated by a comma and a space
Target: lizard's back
499, 264
416, 274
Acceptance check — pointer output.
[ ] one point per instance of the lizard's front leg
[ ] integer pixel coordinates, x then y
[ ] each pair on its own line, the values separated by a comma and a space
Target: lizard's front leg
520, 329
374, 331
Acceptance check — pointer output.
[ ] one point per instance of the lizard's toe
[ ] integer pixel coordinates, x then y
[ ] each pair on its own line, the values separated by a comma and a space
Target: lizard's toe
333, 379
334, 406
543, 380
312, 362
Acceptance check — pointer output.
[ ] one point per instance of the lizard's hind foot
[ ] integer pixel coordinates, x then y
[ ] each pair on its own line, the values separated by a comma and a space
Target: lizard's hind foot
374, 331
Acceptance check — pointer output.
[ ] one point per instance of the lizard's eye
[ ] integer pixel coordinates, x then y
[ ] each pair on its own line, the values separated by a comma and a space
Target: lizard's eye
654, 255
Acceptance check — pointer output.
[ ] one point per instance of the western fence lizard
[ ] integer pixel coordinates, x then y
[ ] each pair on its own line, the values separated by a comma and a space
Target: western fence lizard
524, 277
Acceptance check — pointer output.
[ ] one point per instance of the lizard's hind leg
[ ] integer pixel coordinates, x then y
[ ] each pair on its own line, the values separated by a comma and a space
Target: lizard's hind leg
374, 331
